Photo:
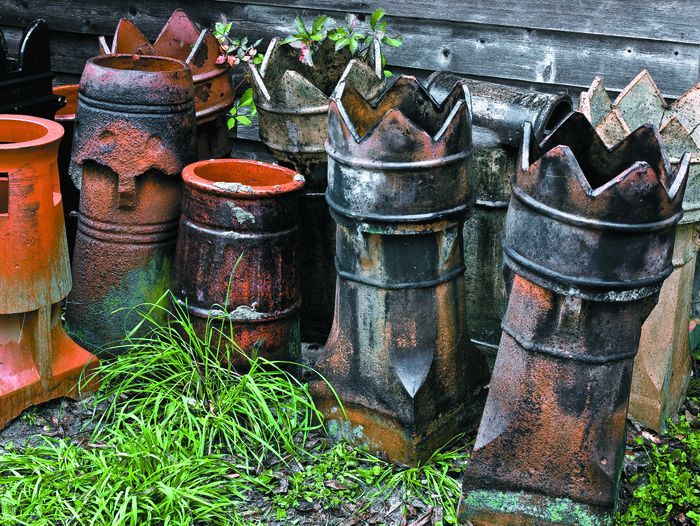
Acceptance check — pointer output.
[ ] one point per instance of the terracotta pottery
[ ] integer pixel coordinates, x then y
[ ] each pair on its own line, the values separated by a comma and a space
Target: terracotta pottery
398, 355
663, 366
584, 267
134, 133
236, 267
213, 88
38, 361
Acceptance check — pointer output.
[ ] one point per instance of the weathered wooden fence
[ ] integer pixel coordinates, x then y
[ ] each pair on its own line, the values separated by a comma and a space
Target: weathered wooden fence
553, 45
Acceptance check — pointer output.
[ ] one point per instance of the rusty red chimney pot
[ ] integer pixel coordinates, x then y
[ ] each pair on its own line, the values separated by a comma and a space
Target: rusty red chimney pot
237, 255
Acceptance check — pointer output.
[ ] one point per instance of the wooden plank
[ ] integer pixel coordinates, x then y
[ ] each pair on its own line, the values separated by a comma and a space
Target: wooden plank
485, 51
547, 57
670, 20
516, 54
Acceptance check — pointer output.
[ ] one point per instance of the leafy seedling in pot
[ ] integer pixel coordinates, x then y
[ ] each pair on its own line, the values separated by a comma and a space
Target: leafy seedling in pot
234, 51
362, 42
307, 40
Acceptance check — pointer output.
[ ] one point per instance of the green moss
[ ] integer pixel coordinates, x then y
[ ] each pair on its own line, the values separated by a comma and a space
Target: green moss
547, 509
107, 320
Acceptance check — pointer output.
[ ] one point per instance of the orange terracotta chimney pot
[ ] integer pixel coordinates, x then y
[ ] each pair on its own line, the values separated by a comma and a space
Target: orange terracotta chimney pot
38, 361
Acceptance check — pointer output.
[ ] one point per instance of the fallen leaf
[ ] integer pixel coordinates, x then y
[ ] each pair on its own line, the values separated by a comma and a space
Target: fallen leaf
334, 484
651, 437
394, 508
423, 519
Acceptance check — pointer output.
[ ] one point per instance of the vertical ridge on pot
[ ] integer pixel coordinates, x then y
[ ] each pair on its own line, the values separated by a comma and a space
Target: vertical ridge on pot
398, 189
236, 266
135, 131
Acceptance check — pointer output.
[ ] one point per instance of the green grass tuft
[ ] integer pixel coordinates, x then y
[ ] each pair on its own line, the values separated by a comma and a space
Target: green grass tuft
139, 477
171, 377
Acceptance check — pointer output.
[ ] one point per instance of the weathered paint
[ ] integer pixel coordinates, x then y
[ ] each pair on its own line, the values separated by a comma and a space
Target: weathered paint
213, 88
38, 361
498, 116
70, 194
25, 79
663, 366
236, 265
584, 269
398, 354
292, 102
130, 200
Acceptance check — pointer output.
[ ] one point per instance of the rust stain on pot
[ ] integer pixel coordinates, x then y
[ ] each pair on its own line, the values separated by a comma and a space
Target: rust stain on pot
129, 150
237, 255
498, 115
588, 243
663, 366
213, 88
398, 355
130, 201
38, 361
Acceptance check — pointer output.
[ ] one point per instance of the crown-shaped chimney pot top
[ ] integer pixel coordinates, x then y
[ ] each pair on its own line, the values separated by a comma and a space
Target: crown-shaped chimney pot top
580, 206
178, 36
575, 172
182, 40
401, 121
129, 39
281, 72
641, 102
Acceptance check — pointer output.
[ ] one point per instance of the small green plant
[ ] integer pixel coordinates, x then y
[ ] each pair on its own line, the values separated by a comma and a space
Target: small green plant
346, 474
307, 40
361, 42
331, 478
435, 482
30, 416
245, 101
670, 484
235, 51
